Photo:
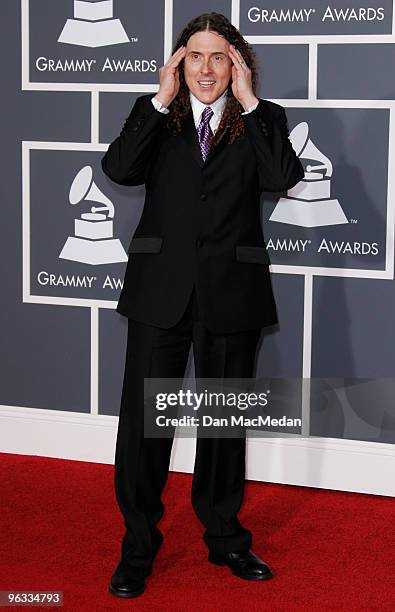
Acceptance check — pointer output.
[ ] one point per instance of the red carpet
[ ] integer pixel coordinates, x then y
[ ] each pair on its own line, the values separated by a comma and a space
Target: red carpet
61, 529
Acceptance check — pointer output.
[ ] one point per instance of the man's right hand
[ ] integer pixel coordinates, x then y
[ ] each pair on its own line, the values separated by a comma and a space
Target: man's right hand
169, 78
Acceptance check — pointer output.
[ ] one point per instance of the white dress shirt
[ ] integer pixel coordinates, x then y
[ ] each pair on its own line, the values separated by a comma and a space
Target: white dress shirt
217, 107
198, 107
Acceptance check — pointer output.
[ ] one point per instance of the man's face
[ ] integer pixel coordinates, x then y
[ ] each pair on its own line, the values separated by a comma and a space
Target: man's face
207, 66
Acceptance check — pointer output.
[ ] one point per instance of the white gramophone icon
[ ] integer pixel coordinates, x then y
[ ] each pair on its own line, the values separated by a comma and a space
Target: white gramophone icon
93, 241
308, 203
93, 25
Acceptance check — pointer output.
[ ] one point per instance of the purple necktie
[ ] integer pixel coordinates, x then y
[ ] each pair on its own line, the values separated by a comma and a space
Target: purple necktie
204, 132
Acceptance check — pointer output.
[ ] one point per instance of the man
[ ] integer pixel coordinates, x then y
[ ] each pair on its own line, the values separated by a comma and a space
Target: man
198, 272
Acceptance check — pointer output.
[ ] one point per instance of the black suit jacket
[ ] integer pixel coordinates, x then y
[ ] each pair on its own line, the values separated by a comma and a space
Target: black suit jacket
201, 220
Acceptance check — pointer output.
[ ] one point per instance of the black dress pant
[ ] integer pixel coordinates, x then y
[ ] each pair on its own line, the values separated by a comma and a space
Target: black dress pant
141, 464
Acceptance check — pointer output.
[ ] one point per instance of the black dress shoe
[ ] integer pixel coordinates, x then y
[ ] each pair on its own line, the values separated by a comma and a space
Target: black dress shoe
245, 565
128, 581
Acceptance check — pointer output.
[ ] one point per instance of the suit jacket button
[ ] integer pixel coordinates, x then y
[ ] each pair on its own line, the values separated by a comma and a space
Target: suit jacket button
203, 196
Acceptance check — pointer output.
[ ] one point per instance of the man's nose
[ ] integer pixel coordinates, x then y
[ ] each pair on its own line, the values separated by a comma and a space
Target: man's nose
206, 66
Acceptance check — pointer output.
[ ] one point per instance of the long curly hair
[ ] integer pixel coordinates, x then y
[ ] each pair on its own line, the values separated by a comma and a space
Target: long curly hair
231, 120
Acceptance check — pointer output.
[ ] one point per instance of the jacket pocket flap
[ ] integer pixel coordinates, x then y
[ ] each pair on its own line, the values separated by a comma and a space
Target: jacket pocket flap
252, 254
145, 244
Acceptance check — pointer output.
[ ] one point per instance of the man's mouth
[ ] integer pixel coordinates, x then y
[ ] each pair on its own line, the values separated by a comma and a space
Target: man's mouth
206, 84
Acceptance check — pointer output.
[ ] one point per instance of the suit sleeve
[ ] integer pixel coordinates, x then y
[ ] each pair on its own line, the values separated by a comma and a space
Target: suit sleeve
279, 167
128, 157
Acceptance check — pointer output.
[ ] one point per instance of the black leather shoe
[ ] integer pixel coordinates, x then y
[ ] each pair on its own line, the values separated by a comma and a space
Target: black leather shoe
245, 565
128, 581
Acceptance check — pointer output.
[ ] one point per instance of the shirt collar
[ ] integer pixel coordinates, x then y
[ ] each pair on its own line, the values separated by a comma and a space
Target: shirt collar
198, 107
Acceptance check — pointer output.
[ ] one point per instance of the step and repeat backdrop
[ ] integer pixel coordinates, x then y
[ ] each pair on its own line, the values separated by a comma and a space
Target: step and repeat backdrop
71, 73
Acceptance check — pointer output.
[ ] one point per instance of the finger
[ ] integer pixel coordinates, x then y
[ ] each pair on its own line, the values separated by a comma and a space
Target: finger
179, 50
235, 55
232, 54
236, 51
178, 59
235, 60
177, 55
176, 63
240, 60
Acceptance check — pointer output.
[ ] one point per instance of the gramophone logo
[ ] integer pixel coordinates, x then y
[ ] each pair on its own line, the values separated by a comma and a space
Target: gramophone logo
309, 202
93, 25
93, 241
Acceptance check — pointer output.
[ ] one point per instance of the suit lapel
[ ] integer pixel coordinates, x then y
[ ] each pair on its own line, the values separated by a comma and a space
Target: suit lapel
191, 138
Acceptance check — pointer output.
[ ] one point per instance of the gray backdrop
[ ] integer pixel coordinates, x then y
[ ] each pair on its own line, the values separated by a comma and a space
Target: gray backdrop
66, 101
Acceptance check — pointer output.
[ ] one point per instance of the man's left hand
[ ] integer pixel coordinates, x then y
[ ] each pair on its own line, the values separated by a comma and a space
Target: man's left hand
241, 79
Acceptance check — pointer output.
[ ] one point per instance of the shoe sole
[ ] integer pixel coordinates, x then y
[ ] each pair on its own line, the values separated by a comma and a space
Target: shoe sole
248, 577
123, 594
